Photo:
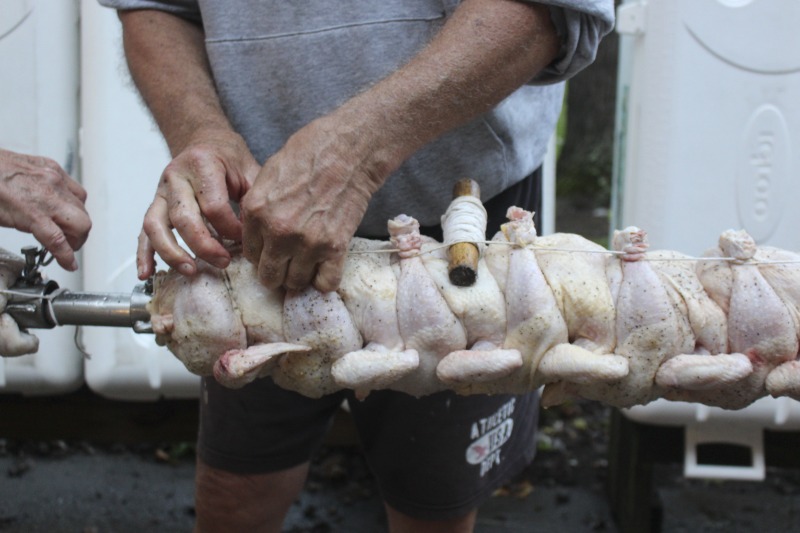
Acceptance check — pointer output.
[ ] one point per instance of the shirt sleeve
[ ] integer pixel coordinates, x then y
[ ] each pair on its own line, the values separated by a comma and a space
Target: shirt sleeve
581, 24
187, 9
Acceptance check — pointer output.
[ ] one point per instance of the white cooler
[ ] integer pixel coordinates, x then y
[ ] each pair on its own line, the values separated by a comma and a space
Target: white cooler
708, 130
122, 156
39, 115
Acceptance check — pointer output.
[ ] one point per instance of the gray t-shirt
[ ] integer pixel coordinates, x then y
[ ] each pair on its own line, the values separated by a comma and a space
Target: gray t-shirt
278, 64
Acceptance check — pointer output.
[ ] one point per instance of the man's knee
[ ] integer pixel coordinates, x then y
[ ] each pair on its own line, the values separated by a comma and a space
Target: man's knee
403, 523
227, 501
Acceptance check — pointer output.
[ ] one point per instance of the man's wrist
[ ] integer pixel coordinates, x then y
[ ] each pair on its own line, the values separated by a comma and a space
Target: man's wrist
384, 129
217, 133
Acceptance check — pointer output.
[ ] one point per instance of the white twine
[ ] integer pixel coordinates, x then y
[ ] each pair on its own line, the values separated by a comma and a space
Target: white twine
9, 292
784, 262
77, 338
429, 249
30, 297
465, 221
576, 251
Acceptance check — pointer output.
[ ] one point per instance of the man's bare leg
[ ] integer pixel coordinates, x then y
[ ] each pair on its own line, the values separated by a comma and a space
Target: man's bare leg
402, 523
225, 501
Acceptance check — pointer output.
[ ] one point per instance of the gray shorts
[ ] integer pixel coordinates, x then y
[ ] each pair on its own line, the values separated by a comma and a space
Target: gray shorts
435, 458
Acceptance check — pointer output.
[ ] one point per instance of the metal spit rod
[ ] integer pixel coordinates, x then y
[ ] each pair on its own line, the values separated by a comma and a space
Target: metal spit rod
45, 306
35, 302
100, 309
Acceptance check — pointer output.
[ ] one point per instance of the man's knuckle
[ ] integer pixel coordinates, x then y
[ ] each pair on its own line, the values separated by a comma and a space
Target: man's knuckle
181, 220
50, 176
56, 239
283, 229
216, 208
151, 225
86, 224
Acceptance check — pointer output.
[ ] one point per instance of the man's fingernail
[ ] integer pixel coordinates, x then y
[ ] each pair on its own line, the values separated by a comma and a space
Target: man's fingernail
74, 265
221, 262
186, 269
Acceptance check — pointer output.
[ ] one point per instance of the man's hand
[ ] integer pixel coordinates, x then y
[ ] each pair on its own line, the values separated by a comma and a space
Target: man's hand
307, 203
37, 196
309, 198
194, 191
211, 163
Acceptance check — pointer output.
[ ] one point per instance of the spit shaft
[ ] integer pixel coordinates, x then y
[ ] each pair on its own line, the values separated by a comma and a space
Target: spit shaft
45, 306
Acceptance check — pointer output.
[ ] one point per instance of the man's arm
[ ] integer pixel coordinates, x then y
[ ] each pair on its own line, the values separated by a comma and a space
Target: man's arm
310, 197
211, 164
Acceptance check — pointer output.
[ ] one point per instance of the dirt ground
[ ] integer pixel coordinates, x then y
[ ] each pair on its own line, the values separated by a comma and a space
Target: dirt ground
83, 488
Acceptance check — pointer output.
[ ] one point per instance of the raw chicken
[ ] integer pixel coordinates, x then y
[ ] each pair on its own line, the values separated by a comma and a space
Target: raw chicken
760, 323
558, 311
196, 318
536, 328
369, 290
783, 274
427, 324
666, 327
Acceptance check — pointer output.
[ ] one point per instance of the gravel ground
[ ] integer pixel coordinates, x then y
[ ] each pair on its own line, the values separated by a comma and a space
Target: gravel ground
83, 488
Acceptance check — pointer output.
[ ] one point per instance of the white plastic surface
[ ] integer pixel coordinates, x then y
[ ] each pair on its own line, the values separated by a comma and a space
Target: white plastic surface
734, 434
39, 115
707, 132
712, 425
770, 413
123, 155
709, 122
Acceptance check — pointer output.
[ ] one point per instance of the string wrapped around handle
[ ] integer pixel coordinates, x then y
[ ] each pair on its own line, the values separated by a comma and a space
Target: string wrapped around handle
464, 229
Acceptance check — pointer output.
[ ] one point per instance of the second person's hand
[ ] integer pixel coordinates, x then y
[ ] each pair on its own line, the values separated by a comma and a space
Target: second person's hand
37, 196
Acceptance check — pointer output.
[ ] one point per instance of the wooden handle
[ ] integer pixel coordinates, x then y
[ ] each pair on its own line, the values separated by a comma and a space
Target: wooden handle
463, 256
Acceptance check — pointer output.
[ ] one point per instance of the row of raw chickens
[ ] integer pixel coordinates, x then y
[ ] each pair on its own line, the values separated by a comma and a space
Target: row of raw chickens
558, 311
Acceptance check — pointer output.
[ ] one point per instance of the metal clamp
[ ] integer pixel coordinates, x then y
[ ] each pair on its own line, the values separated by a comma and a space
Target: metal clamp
34, 302
35, 258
